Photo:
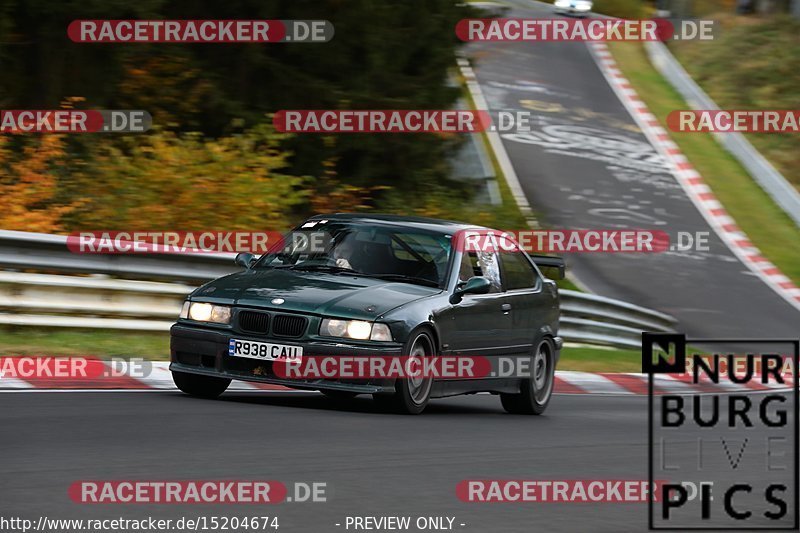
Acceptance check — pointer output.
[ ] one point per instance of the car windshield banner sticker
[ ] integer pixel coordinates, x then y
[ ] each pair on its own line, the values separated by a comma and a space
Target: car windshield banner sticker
723, 433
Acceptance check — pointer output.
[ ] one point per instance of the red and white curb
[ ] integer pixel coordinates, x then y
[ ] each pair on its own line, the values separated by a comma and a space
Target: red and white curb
570, 382
691, 180
567, 382
157, 377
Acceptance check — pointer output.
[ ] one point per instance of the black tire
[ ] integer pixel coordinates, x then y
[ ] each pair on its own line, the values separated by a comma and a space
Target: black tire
200, 386
535, 391
411, 395
339, 395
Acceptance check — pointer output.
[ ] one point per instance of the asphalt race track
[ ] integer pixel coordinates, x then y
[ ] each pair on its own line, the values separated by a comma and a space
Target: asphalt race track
585, 164
373, 463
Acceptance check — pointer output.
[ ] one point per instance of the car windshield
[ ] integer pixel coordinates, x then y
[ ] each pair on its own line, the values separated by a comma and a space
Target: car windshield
387, 252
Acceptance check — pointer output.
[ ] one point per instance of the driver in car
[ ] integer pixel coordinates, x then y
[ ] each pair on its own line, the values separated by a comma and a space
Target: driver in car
343, 252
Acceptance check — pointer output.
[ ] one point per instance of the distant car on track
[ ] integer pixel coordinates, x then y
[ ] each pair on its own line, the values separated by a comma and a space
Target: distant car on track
380, 285
574, 7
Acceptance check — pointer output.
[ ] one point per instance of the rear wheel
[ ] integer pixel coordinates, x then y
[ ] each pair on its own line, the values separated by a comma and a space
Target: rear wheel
411, 394
201, 386
535, 391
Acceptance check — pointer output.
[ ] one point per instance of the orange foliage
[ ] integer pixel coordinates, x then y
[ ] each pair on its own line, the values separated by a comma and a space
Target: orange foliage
186, 182
28, 185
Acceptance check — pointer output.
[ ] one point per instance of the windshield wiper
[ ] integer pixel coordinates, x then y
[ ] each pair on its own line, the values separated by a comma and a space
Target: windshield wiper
323, 268
343, 270
403, 277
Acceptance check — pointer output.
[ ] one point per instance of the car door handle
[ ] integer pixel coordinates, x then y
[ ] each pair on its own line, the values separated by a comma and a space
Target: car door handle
506, 308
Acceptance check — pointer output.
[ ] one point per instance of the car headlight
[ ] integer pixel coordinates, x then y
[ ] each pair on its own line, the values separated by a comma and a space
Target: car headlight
203, 312
355, 329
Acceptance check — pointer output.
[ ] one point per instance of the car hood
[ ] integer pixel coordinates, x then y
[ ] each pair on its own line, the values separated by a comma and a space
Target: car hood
338, 295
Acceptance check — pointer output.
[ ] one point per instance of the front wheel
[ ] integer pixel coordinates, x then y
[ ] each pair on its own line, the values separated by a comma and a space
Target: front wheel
200, 386
411, 394
536, 390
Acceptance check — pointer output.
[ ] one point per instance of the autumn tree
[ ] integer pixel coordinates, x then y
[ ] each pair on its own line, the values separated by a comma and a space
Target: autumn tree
28, 183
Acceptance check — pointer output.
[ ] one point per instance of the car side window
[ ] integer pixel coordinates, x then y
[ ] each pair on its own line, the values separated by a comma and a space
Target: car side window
518, 273
480, 264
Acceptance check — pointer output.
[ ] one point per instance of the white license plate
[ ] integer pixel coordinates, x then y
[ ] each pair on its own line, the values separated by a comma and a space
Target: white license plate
266, 351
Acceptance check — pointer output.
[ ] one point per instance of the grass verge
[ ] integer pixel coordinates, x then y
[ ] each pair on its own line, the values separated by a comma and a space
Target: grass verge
767, 226
85, 342
754, 63
592, 359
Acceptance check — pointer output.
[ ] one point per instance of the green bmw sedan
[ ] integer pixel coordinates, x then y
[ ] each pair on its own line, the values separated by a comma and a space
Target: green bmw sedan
348, 287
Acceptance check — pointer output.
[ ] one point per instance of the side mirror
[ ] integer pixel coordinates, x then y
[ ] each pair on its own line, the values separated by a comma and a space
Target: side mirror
474, 285
244, 259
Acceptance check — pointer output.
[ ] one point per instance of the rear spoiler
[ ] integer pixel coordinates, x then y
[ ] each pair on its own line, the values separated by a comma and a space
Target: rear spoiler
552, 262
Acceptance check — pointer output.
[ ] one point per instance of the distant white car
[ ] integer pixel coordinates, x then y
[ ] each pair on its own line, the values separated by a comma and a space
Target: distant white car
574, 7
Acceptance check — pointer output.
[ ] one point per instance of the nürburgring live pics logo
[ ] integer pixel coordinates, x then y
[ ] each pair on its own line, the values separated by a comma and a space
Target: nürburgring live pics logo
723, 438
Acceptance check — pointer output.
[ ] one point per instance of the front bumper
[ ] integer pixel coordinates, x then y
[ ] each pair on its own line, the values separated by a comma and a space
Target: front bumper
202, 351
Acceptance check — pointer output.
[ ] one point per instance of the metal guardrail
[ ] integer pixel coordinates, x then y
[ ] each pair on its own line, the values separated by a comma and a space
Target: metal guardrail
592, 319
49, 253
39, 293
772, 181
